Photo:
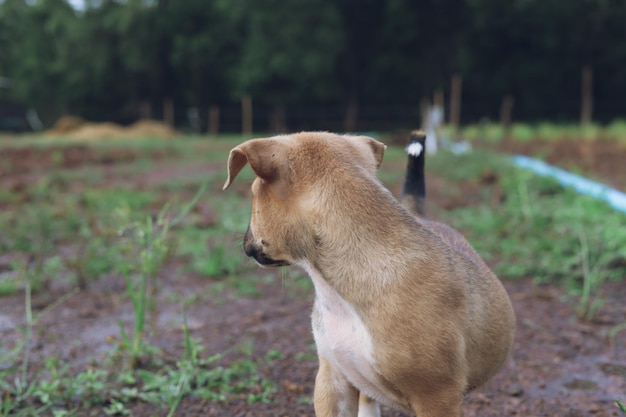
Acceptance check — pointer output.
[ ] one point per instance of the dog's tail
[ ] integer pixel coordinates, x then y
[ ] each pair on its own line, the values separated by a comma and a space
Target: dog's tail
414, 191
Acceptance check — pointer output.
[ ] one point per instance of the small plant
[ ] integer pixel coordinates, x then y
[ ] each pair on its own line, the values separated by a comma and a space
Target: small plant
149, 245
17, 395
149, 240
621, 405
116, 408
592, 281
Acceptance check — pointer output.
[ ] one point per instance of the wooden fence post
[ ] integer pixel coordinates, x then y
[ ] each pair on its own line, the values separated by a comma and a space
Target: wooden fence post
246, 116
424, 110
455, 101
168, 112
214, 120
350, 120
506, 111
586, 106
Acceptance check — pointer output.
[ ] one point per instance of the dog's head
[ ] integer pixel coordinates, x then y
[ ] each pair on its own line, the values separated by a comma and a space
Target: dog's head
292, 171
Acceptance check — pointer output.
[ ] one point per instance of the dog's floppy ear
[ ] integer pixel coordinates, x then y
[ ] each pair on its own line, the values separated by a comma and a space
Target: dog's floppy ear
263, 155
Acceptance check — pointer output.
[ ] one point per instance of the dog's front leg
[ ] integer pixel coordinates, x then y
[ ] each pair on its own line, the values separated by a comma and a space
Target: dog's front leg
368, 407
334, 396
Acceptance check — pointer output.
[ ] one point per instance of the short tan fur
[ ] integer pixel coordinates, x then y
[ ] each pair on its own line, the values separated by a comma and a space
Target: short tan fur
406, 312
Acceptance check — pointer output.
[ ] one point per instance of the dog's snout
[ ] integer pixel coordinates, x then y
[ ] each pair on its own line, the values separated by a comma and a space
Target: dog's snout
255, 251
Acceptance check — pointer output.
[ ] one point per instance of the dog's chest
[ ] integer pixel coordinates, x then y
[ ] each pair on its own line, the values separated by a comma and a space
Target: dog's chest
344, 340
341, 335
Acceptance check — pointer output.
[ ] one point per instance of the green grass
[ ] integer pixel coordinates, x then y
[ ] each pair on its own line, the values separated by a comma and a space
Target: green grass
538, 229
524, 132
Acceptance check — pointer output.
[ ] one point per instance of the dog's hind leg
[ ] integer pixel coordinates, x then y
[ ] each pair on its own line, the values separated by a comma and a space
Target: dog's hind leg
334, 396
368, 407
441, 403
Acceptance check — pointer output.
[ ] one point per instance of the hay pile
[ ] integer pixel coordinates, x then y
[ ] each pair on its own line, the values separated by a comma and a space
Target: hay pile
76, 128
151, 128
65, 124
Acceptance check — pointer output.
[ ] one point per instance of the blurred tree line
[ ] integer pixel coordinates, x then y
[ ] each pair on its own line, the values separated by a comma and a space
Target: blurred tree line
304, 62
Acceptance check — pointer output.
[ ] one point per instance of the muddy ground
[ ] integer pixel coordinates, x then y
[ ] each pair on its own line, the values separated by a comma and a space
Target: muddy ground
559, 366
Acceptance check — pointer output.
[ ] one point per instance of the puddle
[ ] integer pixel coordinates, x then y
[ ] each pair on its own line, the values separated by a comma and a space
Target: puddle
613, 369
6, 323
598, 377
581, 384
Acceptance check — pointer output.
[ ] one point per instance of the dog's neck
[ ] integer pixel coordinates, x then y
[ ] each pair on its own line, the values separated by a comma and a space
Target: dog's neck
364, 239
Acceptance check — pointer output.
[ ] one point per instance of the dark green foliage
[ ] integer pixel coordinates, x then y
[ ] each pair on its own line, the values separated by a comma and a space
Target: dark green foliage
116, 57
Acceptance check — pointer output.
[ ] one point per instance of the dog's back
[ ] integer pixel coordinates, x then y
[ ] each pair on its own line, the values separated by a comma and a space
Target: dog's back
413, 198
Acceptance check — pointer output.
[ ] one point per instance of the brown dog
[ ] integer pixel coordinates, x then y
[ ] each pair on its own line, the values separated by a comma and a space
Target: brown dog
406, 313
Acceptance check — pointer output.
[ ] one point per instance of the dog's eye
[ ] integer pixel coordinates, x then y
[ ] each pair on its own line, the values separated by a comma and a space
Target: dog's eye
262, 242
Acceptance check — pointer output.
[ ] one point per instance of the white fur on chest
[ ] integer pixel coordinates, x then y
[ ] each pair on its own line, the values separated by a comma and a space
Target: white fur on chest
344, 340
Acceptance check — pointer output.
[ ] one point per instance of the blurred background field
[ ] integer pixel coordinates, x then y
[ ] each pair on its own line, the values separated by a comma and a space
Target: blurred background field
123, 286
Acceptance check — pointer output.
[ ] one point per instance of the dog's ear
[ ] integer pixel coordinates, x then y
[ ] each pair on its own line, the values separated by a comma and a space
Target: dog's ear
263, 155
377, 148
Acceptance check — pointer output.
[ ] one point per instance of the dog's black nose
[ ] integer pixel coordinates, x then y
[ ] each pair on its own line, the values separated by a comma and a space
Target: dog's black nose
248, 247
257, 253
250, 250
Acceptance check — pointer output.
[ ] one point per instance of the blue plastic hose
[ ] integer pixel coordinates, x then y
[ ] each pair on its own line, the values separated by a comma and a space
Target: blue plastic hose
613, 197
